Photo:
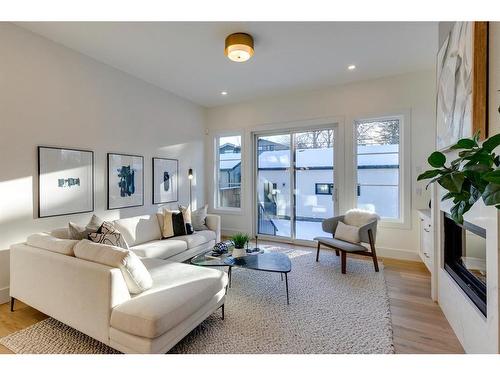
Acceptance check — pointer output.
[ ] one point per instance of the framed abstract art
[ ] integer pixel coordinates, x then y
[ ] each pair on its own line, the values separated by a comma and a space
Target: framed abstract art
165, 180
462, 84
125, 181
65, 181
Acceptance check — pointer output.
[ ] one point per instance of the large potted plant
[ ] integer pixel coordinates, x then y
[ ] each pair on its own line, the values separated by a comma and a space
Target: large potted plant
473, 175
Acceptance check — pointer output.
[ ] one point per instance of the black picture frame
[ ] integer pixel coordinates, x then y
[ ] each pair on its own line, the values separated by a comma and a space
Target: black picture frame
153, 182
108, 206
39, 186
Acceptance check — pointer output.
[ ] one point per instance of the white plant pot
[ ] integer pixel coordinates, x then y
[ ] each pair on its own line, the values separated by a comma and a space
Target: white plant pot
237, 253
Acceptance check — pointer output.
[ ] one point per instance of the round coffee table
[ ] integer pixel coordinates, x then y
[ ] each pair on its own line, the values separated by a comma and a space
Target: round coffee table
259, 261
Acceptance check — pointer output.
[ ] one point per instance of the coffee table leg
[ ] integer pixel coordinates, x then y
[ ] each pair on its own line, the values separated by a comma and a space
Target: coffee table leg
286, 282
229, 275
281, 274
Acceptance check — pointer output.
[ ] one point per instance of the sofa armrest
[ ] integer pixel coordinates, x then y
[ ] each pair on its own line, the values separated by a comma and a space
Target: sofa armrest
213, 223
76, 292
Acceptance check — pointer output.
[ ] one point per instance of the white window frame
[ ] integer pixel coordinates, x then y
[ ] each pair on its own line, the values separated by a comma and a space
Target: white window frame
405, 186
215, 185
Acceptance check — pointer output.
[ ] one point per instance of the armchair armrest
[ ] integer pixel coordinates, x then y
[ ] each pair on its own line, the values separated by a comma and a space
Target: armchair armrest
330, 225
213, 223
363, 231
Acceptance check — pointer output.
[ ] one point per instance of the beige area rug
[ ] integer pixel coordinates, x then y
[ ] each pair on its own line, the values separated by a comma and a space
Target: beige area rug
328, 313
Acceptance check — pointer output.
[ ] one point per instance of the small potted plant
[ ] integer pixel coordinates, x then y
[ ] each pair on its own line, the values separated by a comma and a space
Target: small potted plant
240, 240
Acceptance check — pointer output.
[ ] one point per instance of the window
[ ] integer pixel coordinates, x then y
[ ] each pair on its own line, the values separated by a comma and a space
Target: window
324, 189
228, 172
378, 166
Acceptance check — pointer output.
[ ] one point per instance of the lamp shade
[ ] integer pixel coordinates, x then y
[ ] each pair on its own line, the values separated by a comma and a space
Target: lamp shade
239, 47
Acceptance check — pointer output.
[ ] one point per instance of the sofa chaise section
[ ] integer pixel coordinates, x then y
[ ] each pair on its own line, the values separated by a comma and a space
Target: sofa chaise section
182, 296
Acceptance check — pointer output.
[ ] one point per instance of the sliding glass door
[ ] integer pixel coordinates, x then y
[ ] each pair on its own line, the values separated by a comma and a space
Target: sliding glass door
295, 188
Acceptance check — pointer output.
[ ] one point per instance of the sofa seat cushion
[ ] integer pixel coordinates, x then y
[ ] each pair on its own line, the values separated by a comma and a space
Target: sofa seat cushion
161, 249
197, 238
341, 245
139, 229
179, 291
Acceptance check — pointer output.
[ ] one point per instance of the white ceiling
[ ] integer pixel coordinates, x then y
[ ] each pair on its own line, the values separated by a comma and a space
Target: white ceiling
187, 58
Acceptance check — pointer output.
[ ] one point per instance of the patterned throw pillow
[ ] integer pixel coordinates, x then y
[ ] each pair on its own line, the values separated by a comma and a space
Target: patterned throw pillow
186, 215
78, 232
173, 224
108, 235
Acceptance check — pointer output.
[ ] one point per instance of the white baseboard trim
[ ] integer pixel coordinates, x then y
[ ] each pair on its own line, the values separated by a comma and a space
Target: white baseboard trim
402, 254
385, 252
4, 295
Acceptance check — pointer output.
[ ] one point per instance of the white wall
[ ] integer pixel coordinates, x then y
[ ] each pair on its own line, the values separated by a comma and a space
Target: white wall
51, 95
412, 93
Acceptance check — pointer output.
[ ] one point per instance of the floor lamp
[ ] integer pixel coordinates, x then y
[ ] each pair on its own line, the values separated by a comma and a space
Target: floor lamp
190, 177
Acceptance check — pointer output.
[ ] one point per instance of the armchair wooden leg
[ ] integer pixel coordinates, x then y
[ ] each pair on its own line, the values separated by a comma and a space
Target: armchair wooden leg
317, 253
337, 253
343, 261
374, 252
12, 300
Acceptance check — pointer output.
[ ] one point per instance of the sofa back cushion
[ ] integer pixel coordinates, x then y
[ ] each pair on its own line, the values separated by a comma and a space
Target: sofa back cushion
139, 229
134, 272
51, 243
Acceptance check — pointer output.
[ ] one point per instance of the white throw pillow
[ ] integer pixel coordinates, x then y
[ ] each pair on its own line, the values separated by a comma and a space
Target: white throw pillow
349, 233
51, 243
137, 277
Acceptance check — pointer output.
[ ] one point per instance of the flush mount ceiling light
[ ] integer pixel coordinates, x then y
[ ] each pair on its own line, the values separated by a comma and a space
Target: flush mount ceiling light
239, 47
351, 67
223, 93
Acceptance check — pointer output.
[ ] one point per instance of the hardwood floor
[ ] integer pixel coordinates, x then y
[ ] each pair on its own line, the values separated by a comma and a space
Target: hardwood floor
418, 323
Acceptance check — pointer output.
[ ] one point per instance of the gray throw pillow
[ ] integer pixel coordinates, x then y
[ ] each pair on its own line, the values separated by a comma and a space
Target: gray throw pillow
198, 218
78, 232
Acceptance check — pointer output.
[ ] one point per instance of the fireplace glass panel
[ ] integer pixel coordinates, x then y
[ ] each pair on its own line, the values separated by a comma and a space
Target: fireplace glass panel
474, 255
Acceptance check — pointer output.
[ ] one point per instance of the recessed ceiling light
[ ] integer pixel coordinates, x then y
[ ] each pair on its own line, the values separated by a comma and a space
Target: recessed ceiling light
351, 67
223, 93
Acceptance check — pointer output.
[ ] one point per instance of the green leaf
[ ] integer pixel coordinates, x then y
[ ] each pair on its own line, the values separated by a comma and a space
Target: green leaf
452, 182
428, 174
493, 176
497, 160
458, 211
491, 143
464, 143
437, 159
447, 196
491, 194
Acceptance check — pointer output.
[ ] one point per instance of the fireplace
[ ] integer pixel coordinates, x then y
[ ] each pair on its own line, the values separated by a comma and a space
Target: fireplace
465, 258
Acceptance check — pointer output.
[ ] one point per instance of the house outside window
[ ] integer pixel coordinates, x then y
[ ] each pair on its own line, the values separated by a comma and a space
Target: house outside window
323, 189
228, 172
378, 167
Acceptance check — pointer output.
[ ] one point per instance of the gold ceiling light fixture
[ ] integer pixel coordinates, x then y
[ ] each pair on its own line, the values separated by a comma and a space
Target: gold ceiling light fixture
239, 47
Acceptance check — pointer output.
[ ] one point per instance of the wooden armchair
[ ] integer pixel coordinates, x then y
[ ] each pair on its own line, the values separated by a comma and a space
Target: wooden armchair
367, 234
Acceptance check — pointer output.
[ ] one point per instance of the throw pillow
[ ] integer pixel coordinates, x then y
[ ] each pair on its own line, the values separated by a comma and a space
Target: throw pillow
173, 224
78, 232
136, 275
186, 215
348, 233
199, 217
108, 235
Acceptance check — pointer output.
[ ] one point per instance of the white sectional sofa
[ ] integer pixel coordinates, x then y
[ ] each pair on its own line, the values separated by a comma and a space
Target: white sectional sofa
94, 298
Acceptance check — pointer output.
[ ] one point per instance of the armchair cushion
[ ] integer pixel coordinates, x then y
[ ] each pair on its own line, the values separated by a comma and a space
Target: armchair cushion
340, 245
